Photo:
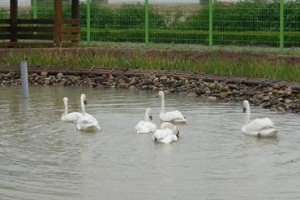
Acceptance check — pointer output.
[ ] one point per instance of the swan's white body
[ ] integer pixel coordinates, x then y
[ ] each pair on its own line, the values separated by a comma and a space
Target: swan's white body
69, 117
258, 127
86, 122
172, 116
166, 134
168, 125
146, 125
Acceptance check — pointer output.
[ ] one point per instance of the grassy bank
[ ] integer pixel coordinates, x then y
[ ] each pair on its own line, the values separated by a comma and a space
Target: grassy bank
247, 64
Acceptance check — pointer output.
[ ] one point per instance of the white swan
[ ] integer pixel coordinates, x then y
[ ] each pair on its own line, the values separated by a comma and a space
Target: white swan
69, 117
173, 116
258, 127
166, 134
86, 122
171, 126
146, 125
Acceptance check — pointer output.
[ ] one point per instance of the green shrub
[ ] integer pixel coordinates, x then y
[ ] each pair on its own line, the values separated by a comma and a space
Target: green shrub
249, 23
133, 16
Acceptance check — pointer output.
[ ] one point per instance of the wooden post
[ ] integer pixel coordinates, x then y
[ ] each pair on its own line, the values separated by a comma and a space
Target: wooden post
57, 22
75, 9
13, 20
75, 14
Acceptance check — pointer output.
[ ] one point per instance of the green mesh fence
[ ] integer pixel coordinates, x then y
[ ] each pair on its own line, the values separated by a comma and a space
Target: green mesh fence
258, 23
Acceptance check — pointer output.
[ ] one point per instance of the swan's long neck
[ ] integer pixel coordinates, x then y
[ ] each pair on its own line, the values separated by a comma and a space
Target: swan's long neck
247, 114
82, 105
147, 117
66, 107
162, 109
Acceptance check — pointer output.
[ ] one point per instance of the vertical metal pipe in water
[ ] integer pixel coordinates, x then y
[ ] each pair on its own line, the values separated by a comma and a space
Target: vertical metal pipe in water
24, 79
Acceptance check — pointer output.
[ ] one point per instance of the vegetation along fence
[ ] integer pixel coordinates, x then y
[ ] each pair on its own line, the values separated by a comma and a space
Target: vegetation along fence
260, 23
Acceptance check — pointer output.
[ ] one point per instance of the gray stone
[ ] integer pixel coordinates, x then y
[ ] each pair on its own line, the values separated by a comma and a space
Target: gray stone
288, 91
212, 98
44, 73
223, 95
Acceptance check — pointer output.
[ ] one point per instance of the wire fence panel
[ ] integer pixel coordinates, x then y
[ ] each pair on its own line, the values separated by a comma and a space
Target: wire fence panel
259, 23
292, 24
246, 23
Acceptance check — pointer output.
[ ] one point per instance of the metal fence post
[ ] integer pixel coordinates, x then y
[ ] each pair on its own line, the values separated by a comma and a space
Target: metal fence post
281, 36
88, 22
34, 9
210, 30
146, 23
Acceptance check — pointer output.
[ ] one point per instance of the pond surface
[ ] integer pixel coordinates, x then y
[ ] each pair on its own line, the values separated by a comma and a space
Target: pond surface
42, 157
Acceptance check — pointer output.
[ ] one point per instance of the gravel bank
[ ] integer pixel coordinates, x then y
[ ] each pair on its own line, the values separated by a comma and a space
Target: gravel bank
268, 94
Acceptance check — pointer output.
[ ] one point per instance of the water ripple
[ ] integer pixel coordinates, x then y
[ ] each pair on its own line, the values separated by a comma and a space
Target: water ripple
42, 157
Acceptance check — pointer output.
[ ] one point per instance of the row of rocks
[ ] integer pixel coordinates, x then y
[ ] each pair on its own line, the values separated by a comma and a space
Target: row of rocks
277, 96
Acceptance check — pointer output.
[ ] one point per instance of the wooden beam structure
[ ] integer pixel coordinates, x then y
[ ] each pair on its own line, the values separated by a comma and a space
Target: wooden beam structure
57, 22
75, 9
16, 32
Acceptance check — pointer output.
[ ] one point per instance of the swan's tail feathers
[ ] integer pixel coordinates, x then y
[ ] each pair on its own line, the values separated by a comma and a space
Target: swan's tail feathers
271, 132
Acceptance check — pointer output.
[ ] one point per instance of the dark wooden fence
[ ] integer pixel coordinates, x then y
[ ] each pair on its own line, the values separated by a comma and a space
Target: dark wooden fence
38, 33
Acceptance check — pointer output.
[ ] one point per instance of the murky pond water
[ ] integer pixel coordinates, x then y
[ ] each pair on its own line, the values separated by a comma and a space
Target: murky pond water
42, 157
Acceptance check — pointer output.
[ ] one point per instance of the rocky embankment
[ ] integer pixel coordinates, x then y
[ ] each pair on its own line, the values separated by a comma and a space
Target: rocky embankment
277, 96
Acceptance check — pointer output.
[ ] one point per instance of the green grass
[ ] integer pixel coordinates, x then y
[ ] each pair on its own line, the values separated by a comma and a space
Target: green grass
212, 65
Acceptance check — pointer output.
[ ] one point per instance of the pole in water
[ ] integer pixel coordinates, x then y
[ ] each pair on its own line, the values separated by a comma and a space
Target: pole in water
24, 78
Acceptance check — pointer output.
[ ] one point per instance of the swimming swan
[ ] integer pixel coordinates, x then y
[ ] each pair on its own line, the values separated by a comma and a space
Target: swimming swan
69, 117
258, 127
171, 126
173, 116
86, 122
166, 134
146, 125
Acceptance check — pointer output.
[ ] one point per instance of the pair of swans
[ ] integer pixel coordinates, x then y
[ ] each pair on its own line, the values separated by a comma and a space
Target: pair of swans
258, 127
166, 133
146, 125
85, 121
